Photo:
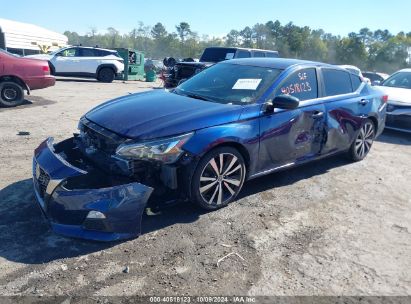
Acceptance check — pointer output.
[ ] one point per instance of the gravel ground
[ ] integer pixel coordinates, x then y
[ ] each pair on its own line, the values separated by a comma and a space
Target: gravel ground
327, 228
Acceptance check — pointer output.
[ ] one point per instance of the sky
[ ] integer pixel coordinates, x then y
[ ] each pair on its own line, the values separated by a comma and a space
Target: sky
210, 17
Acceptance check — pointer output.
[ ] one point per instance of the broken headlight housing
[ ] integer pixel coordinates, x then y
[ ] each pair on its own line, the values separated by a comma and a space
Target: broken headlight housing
166, 150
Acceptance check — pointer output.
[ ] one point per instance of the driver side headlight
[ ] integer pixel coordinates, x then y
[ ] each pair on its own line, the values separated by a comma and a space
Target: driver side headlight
165, 150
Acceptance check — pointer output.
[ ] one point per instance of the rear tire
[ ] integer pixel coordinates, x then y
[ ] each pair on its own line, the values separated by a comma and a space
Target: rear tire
106, 75
11, 94
218, 178
363, 141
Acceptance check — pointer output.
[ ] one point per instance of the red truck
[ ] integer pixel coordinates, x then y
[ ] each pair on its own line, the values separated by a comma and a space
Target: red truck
19, 74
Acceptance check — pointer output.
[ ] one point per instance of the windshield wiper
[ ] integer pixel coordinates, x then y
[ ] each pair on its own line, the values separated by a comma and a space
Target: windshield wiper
191, 95
195, 96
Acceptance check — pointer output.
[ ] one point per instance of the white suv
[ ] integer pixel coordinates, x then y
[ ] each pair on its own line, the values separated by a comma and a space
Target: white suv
79, 61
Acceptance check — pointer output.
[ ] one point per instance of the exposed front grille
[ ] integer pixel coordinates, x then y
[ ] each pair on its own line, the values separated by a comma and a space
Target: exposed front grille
95, 137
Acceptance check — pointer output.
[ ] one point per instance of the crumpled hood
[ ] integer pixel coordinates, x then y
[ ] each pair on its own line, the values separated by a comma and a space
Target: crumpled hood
160, 113
39, 56
399, 95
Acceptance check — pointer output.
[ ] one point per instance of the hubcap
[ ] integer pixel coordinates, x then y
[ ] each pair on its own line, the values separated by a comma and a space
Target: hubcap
364, 140
221, 179
9, 94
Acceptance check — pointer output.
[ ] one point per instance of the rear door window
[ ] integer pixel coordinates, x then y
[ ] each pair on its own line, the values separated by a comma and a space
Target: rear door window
271, 54
336, 82
88, 53
301, 84
258, 54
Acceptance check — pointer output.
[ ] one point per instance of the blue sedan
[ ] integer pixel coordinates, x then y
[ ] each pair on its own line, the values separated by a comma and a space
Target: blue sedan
200, 142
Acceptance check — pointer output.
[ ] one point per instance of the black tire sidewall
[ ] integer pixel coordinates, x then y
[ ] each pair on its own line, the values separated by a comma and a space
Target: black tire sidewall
195, 181
104, 73
20, 94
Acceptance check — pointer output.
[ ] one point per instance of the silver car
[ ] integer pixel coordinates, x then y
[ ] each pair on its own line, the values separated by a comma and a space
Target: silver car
398, 89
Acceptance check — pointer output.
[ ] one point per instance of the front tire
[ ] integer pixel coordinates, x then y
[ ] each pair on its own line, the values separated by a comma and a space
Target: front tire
106, 75
218, 178
11, 94
363, 142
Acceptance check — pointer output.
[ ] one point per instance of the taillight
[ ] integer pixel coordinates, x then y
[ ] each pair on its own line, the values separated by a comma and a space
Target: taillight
384, 98
46, 68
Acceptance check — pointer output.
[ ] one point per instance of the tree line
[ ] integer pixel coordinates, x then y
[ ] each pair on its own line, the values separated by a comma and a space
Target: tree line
377, 50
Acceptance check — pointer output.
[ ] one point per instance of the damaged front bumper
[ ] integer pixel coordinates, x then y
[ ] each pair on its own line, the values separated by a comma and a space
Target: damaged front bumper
82, 202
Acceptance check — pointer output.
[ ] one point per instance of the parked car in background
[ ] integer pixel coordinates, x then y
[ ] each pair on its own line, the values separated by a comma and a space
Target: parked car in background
235, 121
78, 61
398, 89
375, 78
180, 71
154, 65
19, 74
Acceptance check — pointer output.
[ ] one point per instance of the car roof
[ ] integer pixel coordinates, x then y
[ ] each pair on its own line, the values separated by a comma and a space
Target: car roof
277, 63
347, 66
240, 48
89, 47
405, 70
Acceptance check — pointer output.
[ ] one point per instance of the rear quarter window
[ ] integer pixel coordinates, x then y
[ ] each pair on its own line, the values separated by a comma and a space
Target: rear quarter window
356, 82
88, 53
336, 82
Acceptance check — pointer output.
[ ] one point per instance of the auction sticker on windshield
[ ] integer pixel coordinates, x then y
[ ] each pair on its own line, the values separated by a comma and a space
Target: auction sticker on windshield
246, 84
229, 56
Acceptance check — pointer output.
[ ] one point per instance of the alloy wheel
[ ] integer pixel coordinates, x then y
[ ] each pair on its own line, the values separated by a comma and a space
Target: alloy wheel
221, 179
364, 140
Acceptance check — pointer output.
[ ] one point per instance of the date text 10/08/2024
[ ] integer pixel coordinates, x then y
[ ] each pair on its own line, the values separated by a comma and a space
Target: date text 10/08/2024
203, 299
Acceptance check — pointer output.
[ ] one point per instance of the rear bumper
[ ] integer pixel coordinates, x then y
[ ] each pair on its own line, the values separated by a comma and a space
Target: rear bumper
398, 117
107, 213
41, 82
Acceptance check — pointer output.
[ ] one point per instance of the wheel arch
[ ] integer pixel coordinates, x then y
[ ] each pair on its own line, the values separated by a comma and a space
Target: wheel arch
239, 147
374, 121
106, 65
17, 80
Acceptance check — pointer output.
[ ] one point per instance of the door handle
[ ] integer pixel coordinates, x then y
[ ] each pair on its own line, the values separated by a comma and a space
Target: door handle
317, 114
363, 102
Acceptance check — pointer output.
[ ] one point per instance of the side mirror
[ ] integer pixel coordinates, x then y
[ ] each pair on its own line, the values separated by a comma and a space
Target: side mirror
287, 102
376, 83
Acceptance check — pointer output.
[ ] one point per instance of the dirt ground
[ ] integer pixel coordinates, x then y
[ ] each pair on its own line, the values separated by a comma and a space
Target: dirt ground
327, 228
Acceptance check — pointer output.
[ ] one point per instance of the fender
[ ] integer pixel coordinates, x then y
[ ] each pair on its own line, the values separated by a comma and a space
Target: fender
107, 65
242, 135
18, 80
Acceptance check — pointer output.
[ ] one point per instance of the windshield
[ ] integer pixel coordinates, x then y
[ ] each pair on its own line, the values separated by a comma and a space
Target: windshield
399, 80
229, 83
217, 54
